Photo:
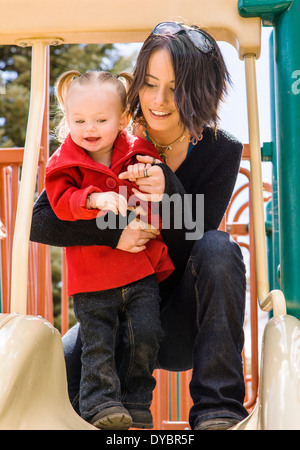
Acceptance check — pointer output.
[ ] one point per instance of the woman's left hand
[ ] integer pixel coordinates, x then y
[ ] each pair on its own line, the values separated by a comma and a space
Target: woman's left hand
152, 186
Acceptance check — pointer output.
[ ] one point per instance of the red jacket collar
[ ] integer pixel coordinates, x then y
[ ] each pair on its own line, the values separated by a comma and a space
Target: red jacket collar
126, 146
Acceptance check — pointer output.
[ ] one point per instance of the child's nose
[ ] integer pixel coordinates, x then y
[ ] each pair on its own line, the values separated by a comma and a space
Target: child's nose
90, 126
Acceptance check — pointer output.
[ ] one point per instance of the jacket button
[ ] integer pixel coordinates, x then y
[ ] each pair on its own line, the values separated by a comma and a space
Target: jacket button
110, 183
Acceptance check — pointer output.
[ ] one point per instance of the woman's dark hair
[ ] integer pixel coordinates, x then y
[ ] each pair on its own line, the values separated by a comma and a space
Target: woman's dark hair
201, 80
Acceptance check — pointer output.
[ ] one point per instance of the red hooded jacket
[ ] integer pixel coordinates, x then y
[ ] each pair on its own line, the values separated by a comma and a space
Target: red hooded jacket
71, 174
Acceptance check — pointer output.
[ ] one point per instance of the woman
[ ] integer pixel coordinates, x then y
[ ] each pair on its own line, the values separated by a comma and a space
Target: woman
178, 83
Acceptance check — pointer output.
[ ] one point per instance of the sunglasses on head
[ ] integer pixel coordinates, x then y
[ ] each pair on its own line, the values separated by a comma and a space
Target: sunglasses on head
201, 40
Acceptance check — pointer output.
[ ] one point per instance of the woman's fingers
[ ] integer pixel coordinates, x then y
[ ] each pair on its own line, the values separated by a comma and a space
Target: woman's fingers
148, 159
134, 237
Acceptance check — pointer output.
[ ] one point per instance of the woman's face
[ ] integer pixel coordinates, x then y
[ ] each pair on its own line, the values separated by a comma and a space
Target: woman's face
157, 95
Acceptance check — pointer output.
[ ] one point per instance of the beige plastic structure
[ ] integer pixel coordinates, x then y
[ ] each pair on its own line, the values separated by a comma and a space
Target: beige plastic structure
33, 393
278, 402
33, 377
94, 21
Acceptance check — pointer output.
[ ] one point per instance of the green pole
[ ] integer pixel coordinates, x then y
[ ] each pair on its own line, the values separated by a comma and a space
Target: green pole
287, 86
275, 242
284, 15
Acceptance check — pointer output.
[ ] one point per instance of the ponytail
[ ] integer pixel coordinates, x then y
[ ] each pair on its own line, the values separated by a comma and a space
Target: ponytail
62, 84
127, 77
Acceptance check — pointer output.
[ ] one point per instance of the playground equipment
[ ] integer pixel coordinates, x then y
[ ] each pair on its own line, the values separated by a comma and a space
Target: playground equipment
38, 24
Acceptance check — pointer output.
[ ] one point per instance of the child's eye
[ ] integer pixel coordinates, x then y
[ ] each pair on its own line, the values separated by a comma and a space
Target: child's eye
79, 121
101, 120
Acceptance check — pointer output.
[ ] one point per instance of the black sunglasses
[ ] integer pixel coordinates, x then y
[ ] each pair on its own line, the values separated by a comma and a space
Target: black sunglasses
201, 40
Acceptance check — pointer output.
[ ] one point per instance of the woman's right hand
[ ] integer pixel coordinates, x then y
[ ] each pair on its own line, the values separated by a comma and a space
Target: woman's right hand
136, 235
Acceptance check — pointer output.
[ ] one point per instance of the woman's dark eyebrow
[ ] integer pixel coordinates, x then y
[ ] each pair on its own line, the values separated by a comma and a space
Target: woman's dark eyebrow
152, 76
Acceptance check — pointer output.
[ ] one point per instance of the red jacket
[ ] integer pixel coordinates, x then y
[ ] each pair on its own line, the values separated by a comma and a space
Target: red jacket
71, 174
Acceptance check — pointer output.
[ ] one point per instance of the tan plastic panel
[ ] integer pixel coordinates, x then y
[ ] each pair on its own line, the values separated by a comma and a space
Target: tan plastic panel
278, 403
102, 21
33, 384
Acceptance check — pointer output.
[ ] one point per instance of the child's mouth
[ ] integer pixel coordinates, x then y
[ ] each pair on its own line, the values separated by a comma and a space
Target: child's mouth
92, 139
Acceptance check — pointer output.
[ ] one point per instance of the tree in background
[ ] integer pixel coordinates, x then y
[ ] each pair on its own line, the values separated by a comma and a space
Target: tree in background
15, 65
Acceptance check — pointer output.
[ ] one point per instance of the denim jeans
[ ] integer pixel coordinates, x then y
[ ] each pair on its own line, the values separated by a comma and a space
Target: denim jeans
203, 324
134, 310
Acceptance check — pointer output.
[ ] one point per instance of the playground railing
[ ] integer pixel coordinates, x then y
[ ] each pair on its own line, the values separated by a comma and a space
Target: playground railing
39, 287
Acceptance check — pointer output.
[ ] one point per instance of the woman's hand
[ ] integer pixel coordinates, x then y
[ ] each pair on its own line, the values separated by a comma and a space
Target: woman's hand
136, 235
109, 201
151, 187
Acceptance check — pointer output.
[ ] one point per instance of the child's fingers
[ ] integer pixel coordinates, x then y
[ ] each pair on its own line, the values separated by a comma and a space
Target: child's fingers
113, 202
130, 174
124, 175
135, 171
122, 205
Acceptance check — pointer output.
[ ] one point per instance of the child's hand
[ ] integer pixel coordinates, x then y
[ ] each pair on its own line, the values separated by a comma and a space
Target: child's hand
109, 201
148, 176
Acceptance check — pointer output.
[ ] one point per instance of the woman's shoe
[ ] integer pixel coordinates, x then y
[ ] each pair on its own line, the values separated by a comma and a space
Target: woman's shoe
141, 418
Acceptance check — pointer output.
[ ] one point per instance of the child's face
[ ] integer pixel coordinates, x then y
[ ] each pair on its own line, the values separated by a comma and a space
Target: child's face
94, 116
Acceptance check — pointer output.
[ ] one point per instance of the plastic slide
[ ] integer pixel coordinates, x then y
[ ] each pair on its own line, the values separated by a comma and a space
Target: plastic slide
33, 383
278, 403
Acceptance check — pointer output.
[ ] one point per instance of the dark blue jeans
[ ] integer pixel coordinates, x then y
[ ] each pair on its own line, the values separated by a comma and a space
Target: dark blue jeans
203, 323
134, 310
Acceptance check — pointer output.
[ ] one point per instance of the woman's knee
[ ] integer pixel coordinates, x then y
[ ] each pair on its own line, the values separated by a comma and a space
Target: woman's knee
217, 251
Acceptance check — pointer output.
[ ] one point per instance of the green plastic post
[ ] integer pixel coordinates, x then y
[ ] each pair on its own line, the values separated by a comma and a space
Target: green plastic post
285, 19
274, 212
287, 92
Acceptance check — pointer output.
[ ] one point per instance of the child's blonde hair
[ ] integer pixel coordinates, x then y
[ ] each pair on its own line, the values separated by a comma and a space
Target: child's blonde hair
72, 77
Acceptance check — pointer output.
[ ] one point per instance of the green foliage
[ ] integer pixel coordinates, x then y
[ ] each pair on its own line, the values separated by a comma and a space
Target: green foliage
15, 64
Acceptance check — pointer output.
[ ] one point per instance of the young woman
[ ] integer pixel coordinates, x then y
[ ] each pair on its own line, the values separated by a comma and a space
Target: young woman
178, 83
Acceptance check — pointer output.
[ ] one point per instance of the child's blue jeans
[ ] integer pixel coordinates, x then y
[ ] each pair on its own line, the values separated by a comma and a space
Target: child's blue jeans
131, 311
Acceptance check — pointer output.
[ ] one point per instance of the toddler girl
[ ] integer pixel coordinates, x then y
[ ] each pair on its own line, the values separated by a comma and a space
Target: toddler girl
113, 289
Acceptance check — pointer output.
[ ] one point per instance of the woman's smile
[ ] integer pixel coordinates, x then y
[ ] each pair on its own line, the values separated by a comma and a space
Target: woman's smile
159, 114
